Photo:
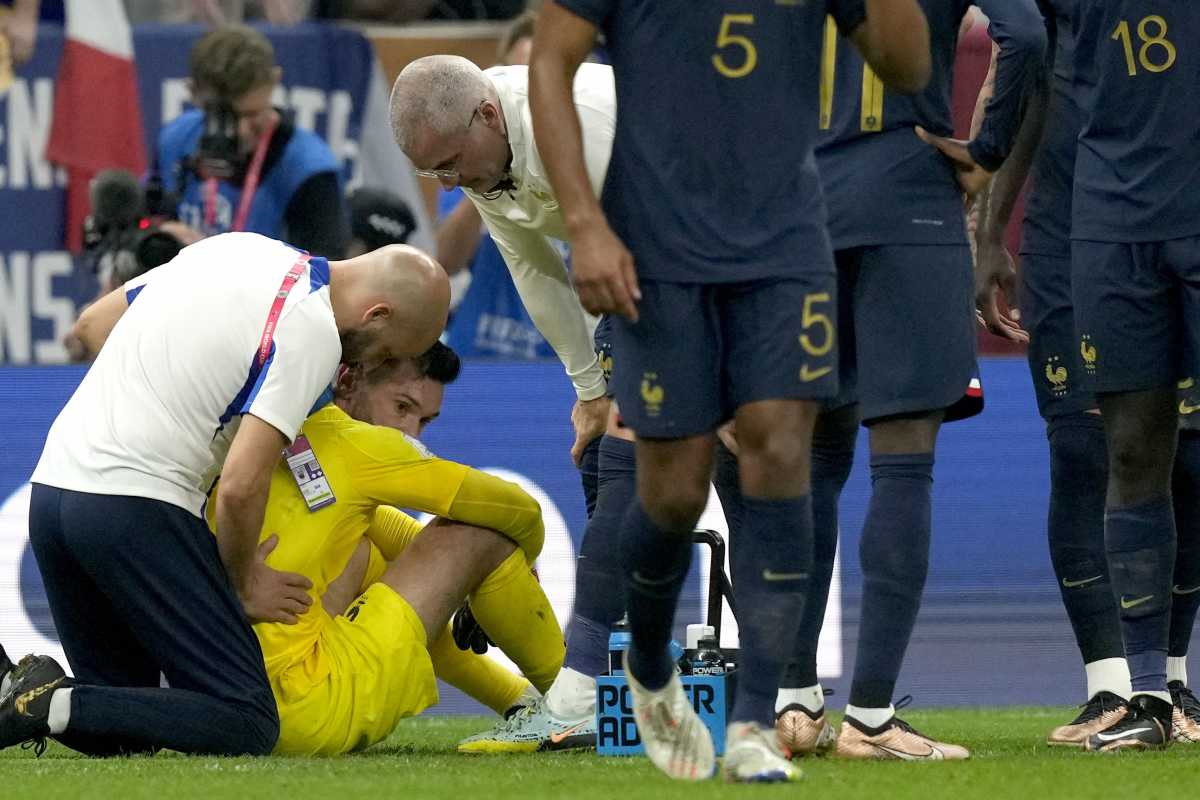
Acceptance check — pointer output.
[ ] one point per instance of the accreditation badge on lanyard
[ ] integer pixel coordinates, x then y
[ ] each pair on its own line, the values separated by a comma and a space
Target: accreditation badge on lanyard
309, 476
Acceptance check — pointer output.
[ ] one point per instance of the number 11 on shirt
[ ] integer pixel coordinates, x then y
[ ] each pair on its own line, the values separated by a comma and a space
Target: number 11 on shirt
871, 116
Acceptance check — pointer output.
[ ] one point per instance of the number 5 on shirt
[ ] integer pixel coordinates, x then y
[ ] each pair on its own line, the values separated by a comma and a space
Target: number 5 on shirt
726, 38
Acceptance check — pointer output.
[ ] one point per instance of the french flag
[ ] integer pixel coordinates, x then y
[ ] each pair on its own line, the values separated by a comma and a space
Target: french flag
97, 120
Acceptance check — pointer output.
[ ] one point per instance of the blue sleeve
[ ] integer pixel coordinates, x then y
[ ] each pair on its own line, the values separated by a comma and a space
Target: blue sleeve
306, 155
848, 14
1018, 29
176, 139
594, 11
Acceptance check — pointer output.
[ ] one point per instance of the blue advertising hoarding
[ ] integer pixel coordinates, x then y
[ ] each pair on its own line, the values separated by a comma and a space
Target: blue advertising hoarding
992, 630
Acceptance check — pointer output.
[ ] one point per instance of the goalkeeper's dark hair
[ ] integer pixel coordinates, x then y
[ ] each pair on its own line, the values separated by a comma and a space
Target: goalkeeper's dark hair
231, 61
439, 363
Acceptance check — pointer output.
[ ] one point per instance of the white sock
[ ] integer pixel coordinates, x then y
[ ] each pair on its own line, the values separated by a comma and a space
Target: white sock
526, 698
1108, 675
1177, 669
60, 711
572, 695
871, 717
811, 698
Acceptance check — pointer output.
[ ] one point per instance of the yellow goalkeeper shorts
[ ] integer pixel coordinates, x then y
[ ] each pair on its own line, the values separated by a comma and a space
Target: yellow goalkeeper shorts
370, 668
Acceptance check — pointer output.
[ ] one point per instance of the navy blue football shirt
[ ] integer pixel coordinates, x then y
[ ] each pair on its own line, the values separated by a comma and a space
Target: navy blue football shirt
712, 177
1137, 71
1047, 227
883, 185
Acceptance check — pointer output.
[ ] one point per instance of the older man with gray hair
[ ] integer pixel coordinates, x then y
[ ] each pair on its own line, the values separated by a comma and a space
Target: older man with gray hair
472, 128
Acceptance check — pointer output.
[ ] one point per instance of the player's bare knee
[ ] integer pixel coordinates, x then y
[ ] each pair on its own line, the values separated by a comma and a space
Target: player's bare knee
906, 434
677, 508
774, 455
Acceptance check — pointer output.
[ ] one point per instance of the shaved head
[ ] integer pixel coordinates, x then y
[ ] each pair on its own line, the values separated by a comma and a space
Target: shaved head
435, 95
388, 303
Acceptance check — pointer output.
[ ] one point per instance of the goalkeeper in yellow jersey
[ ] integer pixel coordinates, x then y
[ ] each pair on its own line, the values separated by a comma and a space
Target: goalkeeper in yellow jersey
366, 652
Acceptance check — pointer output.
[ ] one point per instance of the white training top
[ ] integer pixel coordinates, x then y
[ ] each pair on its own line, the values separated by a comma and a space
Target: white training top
521, 220
156, 412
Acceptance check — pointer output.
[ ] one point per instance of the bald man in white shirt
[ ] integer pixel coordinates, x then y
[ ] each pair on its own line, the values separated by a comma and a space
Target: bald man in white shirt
472, 128
208, 364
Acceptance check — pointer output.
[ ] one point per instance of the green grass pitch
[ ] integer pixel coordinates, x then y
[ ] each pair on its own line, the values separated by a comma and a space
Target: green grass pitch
1009, 760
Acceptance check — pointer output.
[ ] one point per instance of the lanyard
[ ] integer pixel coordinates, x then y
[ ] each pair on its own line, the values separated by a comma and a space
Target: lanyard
289, 280
249, 187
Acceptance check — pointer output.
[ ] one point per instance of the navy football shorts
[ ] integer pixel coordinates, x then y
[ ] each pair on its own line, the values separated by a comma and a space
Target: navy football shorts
1137, 312
907, 331
700, 351
602, 340
1055, 358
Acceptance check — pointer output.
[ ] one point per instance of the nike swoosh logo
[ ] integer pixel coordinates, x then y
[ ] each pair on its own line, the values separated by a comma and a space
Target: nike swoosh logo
768, 575
1177, 590
1186, 409
637, 576
933, 754
1084, 582
808, 375
1112, 737
557, 738
1136, 601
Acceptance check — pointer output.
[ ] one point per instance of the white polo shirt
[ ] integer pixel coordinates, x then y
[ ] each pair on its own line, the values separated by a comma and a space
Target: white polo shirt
523, 221
156, 412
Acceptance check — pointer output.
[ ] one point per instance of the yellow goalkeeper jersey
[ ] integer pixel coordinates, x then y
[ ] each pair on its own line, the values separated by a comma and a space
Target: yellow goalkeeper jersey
367, 467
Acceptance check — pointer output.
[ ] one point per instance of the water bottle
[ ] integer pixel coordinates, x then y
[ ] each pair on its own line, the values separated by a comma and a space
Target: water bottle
618, 643
709, 660
695, 632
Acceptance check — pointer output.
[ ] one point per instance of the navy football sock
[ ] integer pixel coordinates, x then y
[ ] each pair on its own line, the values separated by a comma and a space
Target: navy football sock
1140, 542
1075, 529
894, 552
832, 459
589, 474
656, 564
771, 567
599, 602
1185, 590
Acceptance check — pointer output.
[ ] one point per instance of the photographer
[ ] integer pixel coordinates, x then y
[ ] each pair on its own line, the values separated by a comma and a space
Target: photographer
240, 164
127, 233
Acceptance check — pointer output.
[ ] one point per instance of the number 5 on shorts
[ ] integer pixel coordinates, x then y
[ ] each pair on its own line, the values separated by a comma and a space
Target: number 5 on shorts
819, 335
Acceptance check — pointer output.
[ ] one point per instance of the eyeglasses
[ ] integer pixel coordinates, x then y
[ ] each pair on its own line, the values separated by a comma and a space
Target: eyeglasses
451, 172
